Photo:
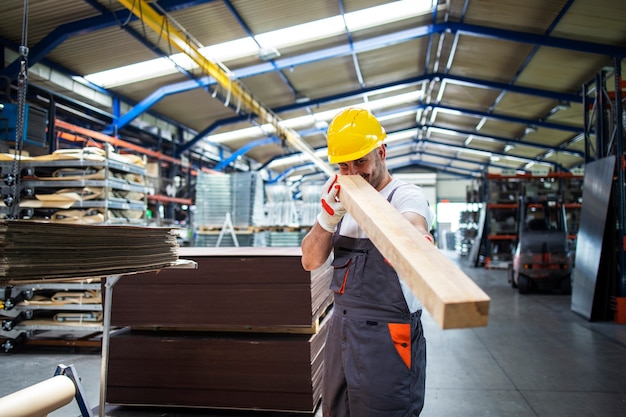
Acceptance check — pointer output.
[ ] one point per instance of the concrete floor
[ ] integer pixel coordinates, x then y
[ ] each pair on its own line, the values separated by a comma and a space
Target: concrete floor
535, 358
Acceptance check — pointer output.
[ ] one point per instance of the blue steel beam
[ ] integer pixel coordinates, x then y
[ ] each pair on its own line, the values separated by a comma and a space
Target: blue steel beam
474, 82
362, 46
355, 59
412, 162
502, 117
461, 148
59, 35
243, 150
481, 165
140, 38
277, 65
87, 25
541, 40
429, 47
414, 80
287, 172
152, 99
506, 141
532, 54
81, 27
335, 52
251, 34
510, 119
434, 142
438, 167
413, 142
175, 5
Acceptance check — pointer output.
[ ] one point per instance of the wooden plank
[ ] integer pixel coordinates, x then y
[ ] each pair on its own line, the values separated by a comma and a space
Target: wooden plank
450, 296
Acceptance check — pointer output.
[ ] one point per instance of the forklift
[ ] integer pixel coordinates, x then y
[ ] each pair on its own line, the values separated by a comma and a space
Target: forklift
542, 259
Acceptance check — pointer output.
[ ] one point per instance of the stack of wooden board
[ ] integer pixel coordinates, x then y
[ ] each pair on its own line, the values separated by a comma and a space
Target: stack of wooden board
256, 371
244, 331
39, 250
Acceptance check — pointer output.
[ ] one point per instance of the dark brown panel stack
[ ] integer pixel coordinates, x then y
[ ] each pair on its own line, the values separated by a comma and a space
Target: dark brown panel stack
245, 330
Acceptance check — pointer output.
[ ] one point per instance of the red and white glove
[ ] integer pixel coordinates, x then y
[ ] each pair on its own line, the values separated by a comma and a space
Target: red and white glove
332, 210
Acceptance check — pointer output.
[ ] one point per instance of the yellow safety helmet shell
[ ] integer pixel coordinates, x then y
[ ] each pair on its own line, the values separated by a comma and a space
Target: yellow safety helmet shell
352, 134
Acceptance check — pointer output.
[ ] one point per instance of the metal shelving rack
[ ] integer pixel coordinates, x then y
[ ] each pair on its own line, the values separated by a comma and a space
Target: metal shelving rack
17, 314
18, 317
497, 234
30, 183
605, 117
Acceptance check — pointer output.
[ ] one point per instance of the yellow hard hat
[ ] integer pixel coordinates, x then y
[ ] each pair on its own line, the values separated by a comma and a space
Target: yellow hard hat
352, 134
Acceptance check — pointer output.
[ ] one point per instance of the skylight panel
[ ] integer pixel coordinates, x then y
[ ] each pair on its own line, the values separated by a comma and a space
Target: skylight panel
282, 38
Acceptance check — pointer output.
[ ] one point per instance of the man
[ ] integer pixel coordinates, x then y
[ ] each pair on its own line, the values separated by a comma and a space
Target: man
375, 354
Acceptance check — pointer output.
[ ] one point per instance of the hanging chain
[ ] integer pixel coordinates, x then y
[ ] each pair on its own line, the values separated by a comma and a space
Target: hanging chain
12, 200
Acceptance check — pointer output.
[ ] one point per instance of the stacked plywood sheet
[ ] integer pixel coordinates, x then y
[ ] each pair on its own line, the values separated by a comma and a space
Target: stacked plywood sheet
268, 371
245, 330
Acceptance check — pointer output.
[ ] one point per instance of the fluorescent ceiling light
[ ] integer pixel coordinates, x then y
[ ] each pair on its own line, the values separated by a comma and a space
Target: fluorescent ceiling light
444, 131
287, 37
306, 32
296, 159
311, 120
447, 111
400, 136
391, 116
323, 152
387, 13
481, 124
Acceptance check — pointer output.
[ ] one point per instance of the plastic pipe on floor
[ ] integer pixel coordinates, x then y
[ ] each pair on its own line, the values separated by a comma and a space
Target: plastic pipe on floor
40, 399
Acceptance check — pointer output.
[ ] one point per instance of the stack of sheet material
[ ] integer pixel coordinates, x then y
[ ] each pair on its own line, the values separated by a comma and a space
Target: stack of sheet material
36, 250
245, 330
234, 288
242, 371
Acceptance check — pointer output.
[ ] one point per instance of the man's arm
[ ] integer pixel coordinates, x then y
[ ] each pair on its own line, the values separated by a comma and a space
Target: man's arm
420, 224
318, 243
316, 247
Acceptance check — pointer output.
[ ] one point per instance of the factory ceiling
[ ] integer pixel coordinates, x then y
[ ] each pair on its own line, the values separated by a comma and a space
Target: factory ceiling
465, 87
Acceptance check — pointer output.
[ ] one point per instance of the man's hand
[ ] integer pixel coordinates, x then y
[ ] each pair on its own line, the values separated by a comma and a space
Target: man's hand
332, 209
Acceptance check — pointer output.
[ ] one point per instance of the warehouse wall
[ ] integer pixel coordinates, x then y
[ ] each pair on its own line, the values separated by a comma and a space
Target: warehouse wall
428, 182
452, 188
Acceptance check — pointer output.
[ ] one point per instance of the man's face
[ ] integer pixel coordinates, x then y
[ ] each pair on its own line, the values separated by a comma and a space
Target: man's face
370, 167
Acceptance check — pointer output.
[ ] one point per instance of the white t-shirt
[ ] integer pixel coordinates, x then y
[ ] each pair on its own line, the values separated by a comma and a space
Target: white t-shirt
408, 198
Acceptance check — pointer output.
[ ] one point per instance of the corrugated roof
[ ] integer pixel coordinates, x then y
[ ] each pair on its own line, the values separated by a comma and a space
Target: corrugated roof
483, 71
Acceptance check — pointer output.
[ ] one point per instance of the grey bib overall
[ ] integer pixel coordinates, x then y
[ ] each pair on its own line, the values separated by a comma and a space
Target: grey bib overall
375, 353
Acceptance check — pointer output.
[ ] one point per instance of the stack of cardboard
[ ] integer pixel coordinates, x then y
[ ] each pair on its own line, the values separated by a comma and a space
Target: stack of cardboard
245, 330
39, 250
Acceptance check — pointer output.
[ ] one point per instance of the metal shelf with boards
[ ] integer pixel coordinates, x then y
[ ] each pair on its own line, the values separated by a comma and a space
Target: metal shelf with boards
62, 313
500, 223
469, 220
498, 233
83, 186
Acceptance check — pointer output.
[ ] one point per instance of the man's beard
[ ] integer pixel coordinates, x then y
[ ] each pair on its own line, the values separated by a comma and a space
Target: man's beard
375, 179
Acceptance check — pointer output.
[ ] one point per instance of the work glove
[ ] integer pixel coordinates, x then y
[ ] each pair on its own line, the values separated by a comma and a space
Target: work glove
332, 210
